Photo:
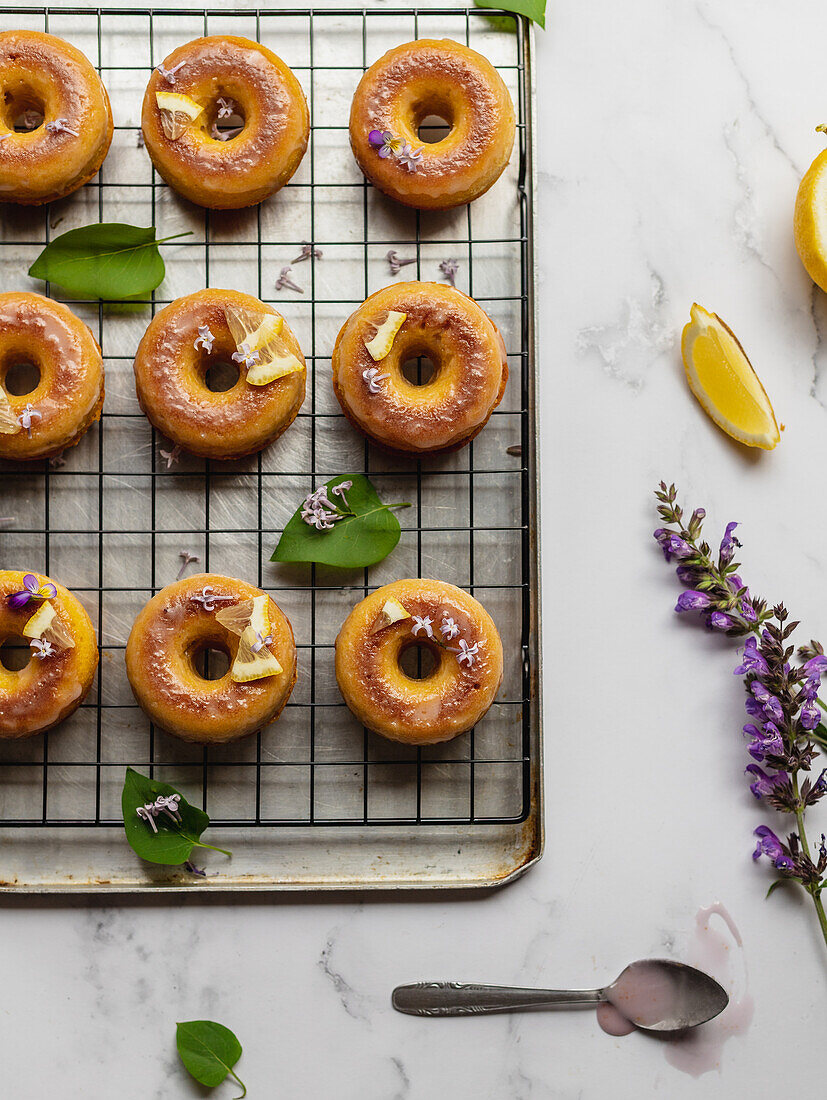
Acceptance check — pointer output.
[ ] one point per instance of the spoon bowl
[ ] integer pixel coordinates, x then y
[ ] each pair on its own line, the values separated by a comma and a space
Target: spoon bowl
660, 996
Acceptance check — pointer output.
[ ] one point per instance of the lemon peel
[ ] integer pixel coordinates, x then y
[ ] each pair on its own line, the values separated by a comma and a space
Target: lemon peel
723, 380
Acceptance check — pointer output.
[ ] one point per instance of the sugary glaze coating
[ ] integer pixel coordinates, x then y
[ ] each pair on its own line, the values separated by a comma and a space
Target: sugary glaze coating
255, 163
448, 80
46, 691
43, 73
447, 702
164, 643
170, 375
470, 369
68, 397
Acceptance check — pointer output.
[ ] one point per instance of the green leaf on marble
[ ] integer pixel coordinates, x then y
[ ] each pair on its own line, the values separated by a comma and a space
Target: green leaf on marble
209, 1051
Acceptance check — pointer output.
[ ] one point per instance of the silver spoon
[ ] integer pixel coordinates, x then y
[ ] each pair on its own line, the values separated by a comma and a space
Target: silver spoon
679, 997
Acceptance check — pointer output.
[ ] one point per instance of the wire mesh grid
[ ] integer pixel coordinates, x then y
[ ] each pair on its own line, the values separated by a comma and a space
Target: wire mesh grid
109, 521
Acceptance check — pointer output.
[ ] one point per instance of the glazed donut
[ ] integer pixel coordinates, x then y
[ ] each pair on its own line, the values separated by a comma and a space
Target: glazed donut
468, 661
64, 653
180, 345
165, 642
397, 94
46, 76
226, 76
68, 397
460, 339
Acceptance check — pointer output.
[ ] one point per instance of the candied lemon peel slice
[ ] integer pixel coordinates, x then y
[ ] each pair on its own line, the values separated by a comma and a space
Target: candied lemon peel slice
810, 220
250, 619
392, 612
45, 625
382, 342
260, 334
722, 378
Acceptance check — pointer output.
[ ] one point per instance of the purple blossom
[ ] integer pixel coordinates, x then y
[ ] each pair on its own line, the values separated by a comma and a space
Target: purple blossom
816, 666
385, 142
810, 716
769, 845
689, 574
31, 590
753, 660
728, 544
410, 157
672, 545
764, 784
692, 601
717, 620
764, 742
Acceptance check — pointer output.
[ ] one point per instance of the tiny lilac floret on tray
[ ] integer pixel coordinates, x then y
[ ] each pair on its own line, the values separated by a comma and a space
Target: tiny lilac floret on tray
449, 269
284, 280
396, 262
307, 251
186, 559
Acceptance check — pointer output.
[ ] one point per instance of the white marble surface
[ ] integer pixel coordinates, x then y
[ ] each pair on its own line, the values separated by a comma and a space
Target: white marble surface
671, 141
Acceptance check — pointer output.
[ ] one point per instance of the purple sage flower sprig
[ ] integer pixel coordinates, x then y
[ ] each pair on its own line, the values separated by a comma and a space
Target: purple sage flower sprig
782, 690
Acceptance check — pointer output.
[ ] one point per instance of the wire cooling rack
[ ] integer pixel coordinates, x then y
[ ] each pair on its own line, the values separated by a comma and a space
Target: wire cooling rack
110, 520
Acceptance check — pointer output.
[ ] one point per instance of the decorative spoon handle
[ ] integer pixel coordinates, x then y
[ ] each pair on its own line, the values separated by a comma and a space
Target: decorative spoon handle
459, 999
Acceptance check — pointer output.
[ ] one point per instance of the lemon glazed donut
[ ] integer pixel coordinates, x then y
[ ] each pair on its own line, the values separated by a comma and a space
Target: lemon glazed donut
467, 652
223, 77
64, 653
421, 79
220, 329
204, 612
44, 337
398, 324
55, 118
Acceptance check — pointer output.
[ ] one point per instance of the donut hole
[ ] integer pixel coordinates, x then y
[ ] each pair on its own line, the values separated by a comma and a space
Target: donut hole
15, 653
23, 110
434, 128
221, 375
419, 370
419, 659
21, 378
210, 660
223, 126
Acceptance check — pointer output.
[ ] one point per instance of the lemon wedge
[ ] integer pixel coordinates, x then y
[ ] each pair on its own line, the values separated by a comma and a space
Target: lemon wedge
260, 333
382, 342
9, 424
252, 665
392, 612
177, 112
45, 625
251, 620
810, 222
724, 382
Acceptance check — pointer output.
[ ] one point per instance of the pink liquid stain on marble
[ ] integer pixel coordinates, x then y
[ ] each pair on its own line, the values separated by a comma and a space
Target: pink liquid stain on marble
719, 953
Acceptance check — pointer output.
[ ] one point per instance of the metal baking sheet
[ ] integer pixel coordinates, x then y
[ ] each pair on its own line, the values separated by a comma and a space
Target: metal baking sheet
313, 801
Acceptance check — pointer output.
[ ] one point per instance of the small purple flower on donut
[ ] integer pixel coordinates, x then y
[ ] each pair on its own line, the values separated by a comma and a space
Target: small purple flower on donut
385, 142
31, 590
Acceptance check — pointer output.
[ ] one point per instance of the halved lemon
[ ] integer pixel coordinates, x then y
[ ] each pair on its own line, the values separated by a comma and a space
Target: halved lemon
382, 342
724, 382
810, 221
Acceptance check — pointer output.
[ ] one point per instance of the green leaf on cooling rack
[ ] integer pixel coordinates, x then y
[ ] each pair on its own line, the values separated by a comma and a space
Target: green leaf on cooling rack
174, 840
533, 9
111, 260
362, 529
209, 1051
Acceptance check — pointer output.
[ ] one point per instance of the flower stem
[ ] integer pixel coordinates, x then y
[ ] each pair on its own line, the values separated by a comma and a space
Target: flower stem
802, 835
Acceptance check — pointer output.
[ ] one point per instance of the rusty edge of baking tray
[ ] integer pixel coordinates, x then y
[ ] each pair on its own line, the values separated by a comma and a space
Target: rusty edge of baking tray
52, 861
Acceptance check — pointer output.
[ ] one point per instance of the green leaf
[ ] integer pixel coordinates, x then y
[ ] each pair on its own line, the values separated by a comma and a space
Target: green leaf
174, 842
209, 1051
361, 539
534, 9
113, 261
778, 882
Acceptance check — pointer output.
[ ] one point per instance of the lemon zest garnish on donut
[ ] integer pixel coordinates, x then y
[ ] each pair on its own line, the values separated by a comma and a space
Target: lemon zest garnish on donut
392, 612
9, 423
177, 112
45, 625
260, 333
382, 342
